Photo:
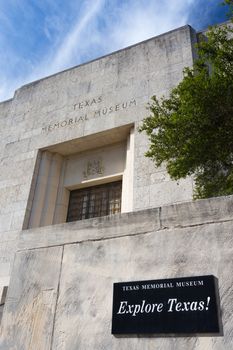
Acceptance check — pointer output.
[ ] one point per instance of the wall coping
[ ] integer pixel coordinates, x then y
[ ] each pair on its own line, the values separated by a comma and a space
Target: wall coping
186, 214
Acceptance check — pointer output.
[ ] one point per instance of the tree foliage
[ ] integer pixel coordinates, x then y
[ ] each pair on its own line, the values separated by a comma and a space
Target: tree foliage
192, 130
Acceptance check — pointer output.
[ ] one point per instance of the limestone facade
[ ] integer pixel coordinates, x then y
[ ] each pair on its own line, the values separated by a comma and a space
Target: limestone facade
83, 112
77, 129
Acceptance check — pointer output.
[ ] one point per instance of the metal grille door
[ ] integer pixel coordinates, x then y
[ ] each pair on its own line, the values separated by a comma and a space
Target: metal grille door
95, 201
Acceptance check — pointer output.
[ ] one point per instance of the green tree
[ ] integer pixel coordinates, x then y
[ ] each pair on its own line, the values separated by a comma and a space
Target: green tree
192, 130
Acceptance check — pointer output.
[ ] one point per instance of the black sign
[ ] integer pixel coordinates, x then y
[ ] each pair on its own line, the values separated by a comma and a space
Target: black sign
170, 306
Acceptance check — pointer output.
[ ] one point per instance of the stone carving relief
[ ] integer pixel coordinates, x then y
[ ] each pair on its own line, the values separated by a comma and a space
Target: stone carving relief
93, 167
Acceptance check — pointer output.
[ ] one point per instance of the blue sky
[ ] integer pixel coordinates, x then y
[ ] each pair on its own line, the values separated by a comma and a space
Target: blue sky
42, 37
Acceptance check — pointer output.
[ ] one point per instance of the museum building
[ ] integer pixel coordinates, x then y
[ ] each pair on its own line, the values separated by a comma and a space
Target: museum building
82, 208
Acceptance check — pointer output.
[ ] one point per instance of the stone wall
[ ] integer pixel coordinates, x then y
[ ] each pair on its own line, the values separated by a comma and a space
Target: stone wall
87, 107
60, 295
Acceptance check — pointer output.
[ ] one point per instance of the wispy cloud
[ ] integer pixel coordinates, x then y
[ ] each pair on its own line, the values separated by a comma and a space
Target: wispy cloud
67, 35
71, 42
140, 20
